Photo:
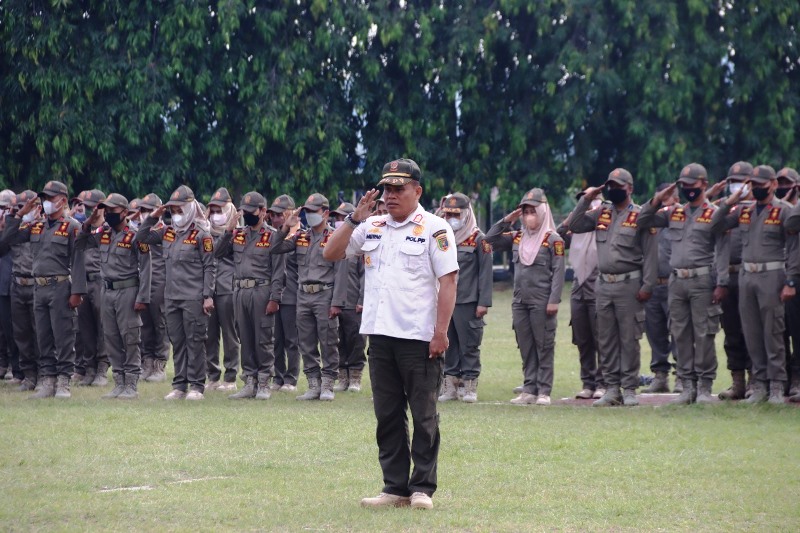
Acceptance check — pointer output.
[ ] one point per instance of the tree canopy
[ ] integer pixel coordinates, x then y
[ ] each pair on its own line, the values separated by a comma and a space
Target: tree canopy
299, 96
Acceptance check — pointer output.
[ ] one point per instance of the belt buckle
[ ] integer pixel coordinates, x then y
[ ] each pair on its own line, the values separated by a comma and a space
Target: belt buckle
611, 278
683, 273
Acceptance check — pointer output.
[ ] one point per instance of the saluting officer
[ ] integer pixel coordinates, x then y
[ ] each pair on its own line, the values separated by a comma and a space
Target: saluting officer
256, 292
22, 284
787, 191
91, 358
462, 360
351, 343
189, 251
287, 350
222, 321
323, 292
793, 226
627, 257
766, 280
698, 282
155, 342
60, 275
538, 256
125, 268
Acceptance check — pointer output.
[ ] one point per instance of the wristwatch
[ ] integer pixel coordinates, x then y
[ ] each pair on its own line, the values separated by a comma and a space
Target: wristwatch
791, 283
352, 223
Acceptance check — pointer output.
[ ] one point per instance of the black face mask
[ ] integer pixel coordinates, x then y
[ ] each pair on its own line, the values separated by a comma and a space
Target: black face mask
617, 196
782, 192
760, 193
250, 219
113, 219
690, 194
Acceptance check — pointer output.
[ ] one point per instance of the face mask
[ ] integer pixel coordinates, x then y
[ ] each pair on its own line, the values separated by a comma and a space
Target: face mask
113, 219
29, 217
736, 186
80, 217
690, 194
134, 224
177, 219
455, 223
314, 219
617, 196
338, 224
49, 207
250, 219
219, 219
782, 192
760, 193
531, 222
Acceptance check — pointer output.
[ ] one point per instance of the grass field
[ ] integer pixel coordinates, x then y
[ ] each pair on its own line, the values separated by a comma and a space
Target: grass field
282, 465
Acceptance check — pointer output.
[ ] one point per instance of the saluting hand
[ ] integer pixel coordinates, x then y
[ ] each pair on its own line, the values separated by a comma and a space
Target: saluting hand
663, 195
593, 192
366, 205
513, 216
28, 207
158, 211
716, 189
292, 220
97, 218
234, 221
734, 198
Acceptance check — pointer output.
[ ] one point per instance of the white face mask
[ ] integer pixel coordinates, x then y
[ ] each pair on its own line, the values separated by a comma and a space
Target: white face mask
314, 219
338, 224
532, 222
735, 186
219, 219
133, 224
29, 217
177, 219
455, 223
49, 207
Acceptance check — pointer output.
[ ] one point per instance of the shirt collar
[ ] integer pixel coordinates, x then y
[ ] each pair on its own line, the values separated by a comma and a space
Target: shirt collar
416, 217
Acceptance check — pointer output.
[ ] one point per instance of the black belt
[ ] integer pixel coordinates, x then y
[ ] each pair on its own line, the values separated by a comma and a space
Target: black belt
122, 284
93, 277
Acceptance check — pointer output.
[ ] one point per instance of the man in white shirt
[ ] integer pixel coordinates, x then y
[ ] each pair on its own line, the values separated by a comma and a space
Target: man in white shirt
411, 270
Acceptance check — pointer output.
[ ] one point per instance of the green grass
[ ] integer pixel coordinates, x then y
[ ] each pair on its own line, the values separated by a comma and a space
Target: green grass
285, 466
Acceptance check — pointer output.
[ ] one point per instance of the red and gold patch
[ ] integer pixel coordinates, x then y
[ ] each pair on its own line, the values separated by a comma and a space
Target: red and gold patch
263, 242
239, 238
774, 218
143, 248
302, 239
604, 218
325, 240
679, 215
558, 248
126, 241
518, 237
169, 235
487, 248
471, 241
192, 238
745, 216
105, 238
705, 216
630, 221
208, 245
63, 230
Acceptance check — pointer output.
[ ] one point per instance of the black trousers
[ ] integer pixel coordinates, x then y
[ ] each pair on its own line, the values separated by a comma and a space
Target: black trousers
403, 376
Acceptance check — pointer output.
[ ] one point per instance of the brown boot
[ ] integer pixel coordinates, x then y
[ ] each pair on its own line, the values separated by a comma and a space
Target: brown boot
87, 378
776, 392
159, 374
147, 368
101, 378
47, 388
737, 389
748, 388
342, 381
119, 386
313, 391
704, 391
794, 386
659, 385
326, 389
62, 388
130, 392
354, 380
449, 389
689, 393
247, 392
263, 391
759, 392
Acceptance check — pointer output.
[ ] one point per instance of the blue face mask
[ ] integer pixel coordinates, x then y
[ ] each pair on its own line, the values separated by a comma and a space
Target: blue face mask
80, 217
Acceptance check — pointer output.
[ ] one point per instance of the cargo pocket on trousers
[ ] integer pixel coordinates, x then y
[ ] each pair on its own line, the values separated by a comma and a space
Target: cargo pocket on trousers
267, 321
133, 336
713, 319
639, 327
200, 330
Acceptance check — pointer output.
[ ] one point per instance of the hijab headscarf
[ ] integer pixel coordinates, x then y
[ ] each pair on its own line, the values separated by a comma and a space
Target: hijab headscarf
468, 226
531, 240
193, 214
229, 210
583, 251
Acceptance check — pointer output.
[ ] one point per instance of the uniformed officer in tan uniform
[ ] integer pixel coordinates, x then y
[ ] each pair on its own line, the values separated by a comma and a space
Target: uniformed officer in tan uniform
793, 227
189, 251
323, 292
22, 284
125, 268
766, 280
222, 322
256, 292
787, 191
287, 350
462, 363
155, 342
628, 259
60, 276
699, 279
538, 256
91, 357
738, 360
352, 344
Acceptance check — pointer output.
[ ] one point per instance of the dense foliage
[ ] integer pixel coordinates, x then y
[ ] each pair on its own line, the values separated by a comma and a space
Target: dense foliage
297, 96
